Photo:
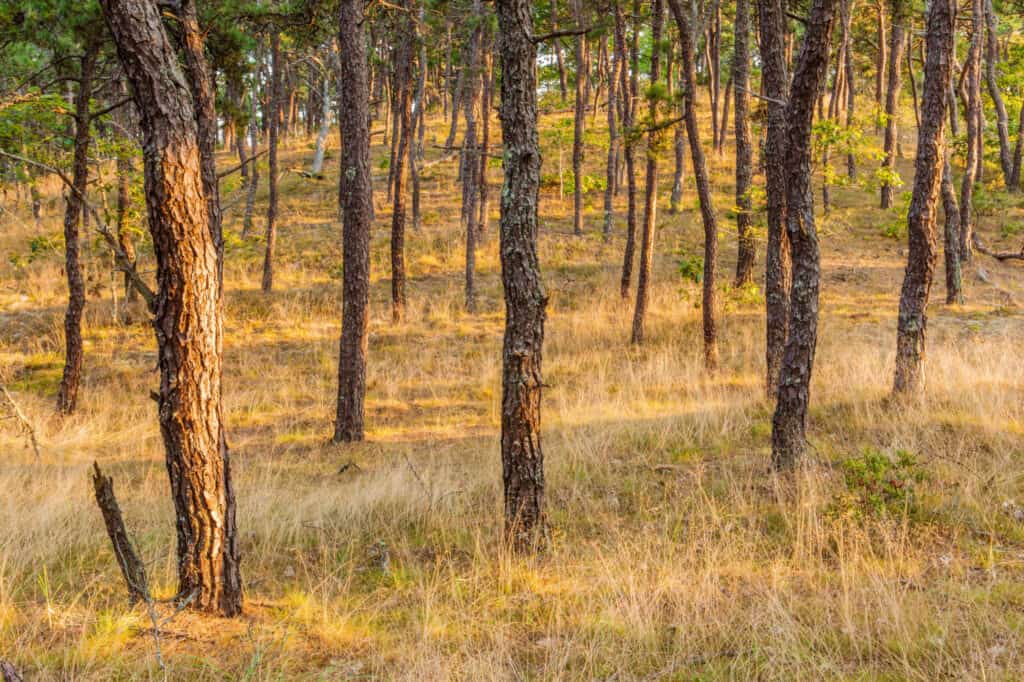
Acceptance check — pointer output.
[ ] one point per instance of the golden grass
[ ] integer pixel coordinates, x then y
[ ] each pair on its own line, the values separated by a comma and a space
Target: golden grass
675, 554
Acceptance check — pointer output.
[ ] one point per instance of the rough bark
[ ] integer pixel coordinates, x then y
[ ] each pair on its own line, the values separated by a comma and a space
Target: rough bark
643, 293
744, 153
276, 66
992, 83
789, 423
921, 242
132, 568
700, 176
897, 41
187, 318
67, 394
525, 301
951, 216
775, 82
972, 81
470, 160
356, 197
629, 90
403, 135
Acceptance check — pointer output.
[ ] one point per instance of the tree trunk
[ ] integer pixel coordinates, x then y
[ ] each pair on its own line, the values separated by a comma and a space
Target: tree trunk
579, 122
744, 153
775, 82
525, 301
470, 161
921, 242
972, 78
559, 59
1002, 120
317, 166
275, 124
403, 117
896, 43
789, 423
67, 395
254, 168
187, 320
485, 135
629, 89
882, 62
700, 176
356, 198
613, 144
643, 293
1018, 152
851, 98
132, 568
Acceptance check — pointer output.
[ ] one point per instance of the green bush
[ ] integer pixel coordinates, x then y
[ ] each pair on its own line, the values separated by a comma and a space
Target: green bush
880, 485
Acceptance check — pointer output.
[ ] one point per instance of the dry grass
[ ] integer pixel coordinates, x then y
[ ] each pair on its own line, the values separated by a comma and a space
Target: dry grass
675, 554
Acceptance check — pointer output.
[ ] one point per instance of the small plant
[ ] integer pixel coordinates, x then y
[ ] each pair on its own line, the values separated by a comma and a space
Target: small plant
881, 485
690, 267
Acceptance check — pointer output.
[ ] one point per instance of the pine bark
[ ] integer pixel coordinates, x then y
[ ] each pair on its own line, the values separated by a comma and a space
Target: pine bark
525, 300
403, 135
356, 197
744, 153
992, 83
789, 424
187, 319
629, 90
972, 81
579, 122
922, 251
897, 41
276, 66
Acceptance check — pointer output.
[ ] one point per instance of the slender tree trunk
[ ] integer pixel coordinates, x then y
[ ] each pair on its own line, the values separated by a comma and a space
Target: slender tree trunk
419, 103
643, 293
275, 124
470, 160
254, 169
972, 79
700, 176
67, 395
789, 424
629, 89
356, 197
882, 61
559, 59
317, 166
851, 98
1018, 152
485, 135
896, 43
579, 122
525, 300
403, 133
921, 241
744, 153
187, 319
992, 82
613, 145
777, 263
124, 238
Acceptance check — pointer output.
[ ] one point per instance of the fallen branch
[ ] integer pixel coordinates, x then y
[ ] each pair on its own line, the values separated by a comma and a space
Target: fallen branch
980, 247
224, 174
8, 673
132, 568
26, 425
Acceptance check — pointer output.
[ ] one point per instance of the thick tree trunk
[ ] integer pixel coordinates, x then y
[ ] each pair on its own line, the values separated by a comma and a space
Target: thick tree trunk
789, 423
356, 197
276, 67
525, 300
921, 241
897, 41
67, 394
775, 82
992, 82
972, 80
744, 154
643, 292
700, 176
187, 317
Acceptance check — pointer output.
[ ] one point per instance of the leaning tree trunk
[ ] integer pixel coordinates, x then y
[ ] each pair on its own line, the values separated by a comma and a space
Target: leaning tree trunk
789, 424
525, 301
643, 291
896, 44
67, 395
276, 65
356, 197
921, 242
187, 318
744, 154
775, 82
700, 176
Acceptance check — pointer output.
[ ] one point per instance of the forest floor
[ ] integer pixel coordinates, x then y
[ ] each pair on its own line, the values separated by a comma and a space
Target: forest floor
897, 553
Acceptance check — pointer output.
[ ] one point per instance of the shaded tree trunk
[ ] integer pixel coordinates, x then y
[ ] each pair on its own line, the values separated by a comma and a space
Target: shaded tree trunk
775, 82
67, 394
921, 241
789, 424
356, 198
403, 94
1002, 120
470, 160
274, 134
700, 176
972, 80
896, 44
525, 301
643, 293
187, 319
744, 153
